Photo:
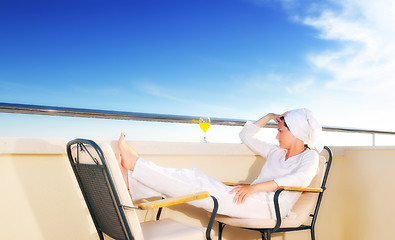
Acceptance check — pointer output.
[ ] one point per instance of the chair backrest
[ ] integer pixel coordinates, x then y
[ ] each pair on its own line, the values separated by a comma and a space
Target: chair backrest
104, 189
308, 203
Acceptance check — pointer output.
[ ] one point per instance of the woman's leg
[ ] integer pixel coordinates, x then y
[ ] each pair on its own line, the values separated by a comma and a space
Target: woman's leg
128, 156
173, 182
146, 178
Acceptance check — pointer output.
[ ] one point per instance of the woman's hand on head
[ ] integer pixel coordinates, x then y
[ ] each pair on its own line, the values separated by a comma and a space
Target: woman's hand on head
279, 116
270, 116
275, 117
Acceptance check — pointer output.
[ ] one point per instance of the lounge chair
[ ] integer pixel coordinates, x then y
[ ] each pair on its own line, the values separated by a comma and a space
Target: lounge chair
305, 209
110, 205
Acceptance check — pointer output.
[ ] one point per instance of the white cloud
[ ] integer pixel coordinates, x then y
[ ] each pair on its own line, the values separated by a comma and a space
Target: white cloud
365, 61
101, 91
158, 91
358, 70
301, 86
193, 104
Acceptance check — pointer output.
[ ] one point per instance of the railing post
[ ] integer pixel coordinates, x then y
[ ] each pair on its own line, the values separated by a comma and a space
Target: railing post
373, 139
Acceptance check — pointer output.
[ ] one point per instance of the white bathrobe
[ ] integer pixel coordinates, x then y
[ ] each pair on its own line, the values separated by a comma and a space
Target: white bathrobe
149, 179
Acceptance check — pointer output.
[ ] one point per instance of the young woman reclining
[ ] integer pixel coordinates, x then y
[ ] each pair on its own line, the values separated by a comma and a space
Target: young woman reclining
289, 164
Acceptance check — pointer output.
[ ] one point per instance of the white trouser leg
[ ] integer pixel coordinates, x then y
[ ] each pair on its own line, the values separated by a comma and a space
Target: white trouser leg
149, 179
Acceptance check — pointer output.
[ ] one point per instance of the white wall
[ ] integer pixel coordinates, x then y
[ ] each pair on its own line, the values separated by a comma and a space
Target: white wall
41, 199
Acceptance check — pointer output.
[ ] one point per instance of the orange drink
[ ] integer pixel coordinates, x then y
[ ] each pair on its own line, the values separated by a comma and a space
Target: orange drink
204, 126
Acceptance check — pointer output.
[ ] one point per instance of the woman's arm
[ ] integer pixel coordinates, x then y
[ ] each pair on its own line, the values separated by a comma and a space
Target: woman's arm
242, 192
265, 119
248, 135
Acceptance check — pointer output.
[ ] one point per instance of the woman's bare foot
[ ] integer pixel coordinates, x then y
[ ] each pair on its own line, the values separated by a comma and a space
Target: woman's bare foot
128, 156
124, 171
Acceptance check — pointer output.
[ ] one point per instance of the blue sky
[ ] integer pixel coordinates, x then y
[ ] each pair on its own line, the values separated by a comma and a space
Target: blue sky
218, 58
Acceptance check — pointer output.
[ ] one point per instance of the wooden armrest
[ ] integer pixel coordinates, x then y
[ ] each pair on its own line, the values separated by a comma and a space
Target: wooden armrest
235, 184
173, 201
299, 189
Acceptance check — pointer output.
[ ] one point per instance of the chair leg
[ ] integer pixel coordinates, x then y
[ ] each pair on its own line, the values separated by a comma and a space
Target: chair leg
269, 236
101, 236
312, 234
266, 235
221, 227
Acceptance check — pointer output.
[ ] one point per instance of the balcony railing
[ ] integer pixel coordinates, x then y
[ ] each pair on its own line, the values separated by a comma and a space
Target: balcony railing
120, 115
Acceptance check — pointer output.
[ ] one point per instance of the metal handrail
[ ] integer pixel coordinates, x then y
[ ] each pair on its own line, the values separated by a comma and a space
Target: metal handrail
106, 114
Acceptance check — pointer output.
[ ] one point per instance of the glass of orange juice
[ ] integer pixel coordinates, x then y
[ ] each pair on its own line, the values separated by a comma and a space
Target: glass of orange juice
204, 123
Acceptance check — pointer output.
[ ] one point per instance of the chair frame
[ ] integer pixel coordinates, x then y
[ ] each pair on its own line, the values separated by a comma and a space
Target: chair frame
266, 232
117, 205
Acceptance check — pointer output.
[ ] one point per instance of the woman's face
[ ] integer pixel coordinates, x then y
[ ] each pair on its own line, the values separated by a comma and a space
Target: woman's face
284, 136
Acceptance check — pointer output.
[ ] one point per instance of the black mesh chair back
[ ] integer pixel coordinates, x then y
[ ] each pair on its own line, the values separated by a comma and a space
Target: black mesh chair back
97, 186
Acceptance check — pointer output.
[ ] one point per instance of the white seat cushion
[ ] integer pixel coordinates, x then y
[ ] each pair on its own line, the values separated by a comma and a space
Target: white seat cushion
123, 192
168, 229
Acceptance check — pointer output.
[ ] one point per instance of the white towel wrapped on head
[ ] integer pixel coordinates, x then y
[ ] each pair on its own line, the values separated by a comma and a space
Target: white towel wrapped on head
305, 127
